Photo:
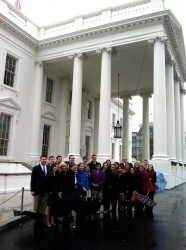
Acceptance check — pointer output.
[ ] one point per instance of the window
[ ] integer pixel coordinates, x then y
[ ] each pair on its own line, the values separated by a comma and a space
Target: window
120, 152
89, 107
46, 140
4, 133
113, 119
70, 97
10, 69
113, 150
49, 90
121, 121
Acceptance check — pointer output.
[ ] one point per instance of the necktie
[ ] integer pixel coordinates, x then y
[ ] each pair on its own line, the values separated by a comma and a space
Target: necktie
44, 171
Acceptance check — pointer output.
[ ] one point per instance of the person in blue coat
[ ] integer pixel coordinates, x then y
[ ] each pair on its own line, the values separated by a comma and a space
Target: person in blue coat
82, 181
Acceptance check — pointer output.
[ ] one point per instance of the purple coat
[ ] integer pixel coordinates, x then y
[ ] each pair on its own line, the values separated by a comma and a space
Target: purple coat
98, 178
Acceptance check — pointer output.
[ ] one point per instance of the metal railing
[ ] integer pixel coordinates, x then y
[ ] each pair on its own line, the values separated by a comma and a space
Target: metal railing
12, 204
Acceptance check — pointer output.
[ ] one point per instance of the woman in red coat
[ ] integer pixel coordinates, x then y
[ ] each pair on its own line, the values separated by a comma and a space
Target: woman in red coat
148, 188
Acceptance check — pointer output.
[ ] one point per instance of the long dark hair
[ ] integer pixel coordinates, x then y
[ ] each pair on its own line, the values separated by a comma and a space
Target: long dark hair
51, 168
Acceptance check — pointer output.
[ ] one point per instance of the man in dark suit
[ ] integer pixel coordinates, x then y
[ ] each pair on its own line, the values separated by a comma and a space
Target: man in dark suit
125, 161
93, 163
38, 185
51, 161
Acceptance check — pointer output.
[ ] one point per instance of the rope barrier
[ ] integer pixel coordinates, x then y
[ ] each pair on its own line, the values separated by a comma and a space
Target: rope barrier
10, 197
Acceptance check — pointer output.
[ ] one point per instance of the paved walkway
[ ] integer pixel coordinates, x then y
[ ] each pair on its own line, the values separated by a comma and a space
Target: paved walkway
165, 231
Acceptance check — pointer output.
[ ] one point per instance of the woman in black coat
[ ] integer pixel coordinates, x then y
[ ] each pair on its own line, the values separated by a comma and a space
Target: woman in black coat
52, 189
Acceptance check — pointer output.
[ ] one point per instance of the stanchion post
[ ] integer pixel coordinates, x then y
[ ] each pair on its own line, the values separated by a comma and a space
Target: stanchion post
22, 198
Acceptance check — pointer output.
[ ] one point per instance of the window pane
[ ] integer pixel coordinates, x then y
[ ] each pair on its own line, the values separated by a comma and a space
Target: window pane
89, 107
46, 138
10, 68
4, 133
49, 91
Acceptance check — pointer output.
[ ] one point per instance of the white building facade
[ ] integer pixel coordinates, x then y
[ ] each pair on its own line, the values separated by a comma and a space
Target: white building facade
57, 83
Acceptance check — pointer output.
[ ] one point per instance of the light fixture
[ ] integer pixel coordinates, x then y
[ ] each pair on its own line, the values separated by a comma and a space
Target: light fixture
118, 127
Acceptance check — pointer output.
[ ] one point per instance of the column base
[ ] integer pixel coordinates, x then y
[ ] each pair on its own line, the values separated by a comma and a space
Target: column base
33, 157
160, 157
172, 171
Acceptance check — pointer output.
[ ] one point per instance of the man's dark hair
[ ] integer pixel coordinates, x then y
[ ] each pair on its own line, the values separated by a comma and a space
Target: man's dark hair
43, 156
58, 157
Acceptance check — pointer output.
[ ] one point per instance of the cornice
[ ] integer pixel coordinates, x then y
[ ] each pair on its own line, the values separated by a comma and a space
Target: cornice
165, 17
101, 29
18, 31
175, 45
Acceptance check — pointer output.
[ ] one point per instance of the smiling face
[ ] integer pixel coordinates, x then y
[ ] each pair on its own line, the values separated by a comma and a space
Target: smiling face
81, 166
43, 161
98, 167
72, 159
150, 167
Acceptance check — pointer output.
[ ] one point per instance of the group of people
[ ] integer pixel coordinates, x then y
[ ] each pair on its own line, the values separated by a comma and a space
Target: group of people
111, 184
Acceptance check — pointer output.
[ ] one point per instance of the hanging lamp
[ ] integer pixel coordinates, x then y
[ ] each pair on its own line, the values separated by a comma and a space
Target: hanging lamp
118, 127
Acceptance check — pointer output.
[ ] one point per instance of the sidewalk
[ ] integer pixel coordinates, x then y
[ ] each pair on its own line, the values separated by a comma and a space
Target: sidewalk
13, 201
166, 230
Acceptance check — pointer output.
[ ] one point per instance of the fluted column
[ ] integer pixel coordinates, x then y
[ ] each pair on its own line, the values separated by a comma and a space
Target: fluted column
35, 133
182, 124
171, 138
178, 120
104, 111
75, 122
145, 135
160, 113
125, 137
64, 100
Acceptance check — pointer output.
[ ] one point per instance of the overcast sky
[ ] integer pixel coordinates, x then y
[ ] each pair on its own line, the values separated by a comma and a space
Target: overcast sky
44, 12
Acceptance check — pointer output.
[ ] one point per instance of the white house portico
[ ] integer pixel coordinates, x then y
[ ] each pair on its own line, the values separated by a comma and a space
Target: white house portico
64, 76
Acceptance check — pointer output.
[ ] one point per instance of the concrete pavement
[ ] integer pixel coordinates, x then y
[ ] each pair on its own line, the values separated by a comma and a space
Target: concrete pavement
166, 230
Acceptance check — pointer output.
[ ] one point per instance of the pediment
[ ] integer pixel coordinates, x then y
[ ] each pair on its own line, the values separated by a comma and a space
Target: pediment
9, 102
49, 116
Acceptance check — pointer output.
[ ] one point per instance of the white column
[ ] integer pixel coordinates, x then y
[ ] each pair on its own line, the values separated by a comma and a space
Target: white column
178, 120
64, 100
75, 122
183, 124
125, 137
160, 114
96, 126
35, 133
104, 111
171, 137
145, 135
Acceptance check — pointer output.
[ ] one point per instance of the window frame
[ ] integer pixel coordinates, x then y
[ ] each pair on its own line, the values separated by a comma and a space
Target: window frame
9, 133
52, 92
49, 139
17, 71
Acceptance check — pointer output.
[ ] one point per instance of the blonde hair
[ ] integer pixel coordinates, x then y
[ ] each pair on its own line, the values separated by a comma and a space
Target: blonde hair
62, 164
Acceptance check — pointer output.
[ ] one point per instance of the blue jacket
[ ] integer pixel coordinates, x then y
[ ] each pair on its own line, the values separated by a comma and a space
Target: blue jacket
82, 181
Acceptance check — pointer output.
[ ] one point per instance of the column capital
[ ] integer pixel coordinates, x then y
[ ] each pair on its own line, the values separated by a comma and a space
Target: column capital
107, 49
40, 63
183, 91
171, 62
145, 94
153, 40
126, 96
178, 78
79, 55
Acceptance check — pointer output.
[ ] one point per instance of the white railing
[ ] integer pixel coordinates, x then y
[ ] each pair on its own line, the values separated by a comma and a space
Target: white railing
104, 16
126, 9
